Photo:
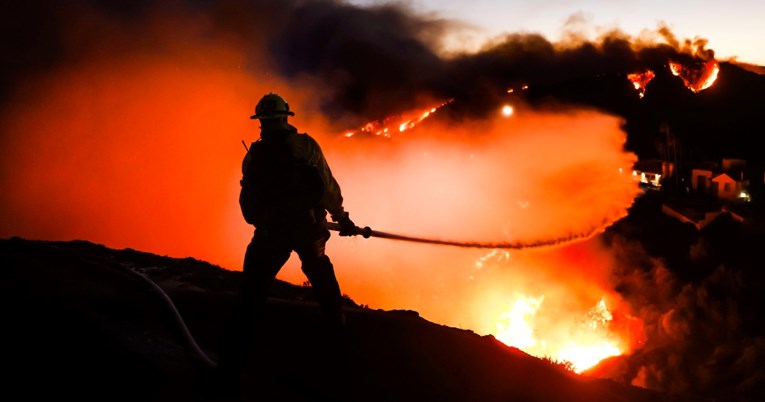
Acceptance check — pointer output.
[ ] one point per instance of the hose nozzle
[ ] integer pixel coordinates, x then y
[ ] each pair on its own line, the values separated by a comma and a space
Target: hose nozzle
365, 232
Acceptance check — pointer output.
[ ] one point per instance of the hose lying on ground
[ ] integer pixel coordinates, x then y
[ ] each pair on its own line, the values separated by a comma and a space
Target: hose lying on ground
176, 314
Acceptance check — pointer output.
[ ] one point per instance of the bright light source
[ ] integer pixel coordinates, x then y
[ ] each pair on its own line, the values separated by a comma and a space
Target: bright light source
507, 110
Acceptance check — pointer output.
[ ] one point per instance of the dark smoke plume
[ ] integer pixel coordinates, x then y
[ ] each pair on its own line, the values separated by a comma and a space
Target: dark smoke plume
373, 61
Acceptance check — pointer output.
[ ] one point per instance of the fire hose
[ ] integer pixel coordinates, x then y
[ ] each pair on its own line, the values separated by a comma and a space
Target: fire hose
367, 232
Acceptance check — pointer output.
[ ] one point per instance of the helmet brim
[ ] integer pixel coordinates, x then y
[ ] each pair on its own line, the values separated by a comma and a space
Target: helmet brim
271, 115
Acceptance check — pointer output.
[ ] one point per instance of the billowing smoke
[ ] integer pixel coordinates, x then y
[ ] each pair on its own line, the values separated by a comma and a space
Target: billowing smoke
701, 321
122, 124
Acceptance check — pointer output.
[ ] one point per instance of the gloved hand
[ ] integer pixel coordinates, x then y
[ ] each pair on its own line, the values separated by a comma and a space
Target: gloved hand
347, 227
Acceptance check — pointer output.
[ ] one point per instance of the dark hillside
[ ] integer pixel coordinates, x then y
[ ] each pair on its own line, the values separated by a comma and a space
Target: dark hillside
81, 324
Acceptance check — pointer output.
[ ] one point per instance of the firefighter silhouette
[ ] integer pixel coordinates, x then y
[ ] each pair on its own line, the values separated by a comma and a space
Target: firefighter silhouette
287, 190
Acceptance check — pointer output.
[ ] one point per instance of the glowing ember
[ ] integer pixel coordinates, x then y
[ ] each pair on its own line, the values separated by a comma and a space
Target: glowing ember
696, 78
641, 80
507, 111
523, 88
499, 255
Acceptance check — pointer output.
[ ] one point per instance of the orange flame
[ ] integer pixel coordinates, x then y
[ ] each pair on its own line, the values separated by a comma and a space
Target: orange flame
641, 80
696, 78
398, 123
585, 346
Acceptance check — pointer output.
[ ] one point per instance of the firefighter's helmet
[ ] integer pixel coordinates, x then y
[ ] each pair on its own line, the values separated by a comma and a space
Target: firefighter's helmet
271, 106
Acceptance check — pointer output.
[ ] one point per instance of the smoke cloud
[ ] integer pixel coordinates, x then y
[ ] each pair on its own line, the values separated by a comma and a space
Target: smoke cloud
703, 335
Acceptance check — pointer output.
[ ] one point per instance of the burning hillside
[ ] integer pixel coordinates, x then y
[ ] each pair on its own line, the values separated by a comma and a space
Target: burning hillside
392, 125
124, 126
696, 78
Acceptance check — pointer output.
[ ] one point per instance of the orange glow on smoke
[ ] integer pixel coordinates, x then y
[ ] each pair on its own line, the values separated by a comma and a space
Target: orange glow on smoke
145, 152
538, 175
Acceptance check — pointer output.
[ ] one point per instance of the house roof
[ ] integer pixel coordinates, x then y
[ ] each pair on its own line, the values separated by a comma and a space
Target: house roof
723, 177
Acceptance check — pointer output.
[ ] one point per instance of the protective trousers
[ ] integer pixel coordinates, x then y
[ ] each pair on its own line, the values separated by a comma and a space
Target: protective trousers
266, 254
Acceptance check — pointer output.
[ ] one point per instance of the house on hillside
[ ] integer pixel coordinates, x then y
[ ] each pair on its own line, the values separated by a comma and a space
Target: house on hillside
651, 173
715, 189
725, 182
